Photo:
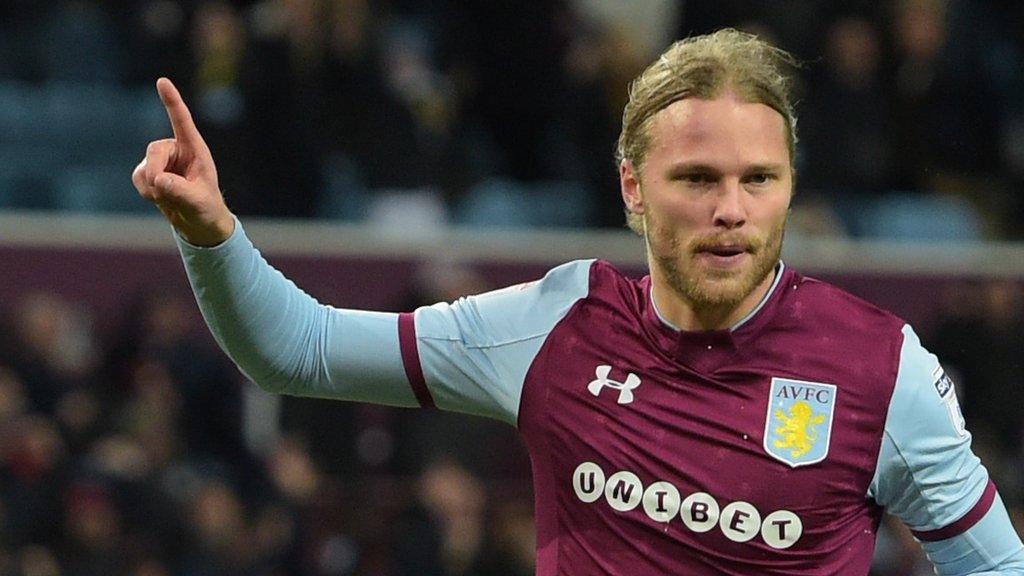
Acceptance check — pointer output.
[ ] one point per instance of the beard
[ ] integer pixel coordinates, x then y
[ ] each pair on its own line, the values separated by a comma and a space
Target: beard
709, 287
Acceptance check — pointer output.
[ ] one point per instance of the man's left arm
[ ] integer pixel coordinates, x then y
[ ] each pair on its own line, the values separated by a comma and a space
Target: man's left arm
928, 476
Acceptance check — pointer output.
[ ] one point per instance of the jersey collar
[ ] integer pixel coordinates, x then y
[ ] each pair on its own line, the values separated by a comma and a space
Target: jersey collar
779, 269
706, 351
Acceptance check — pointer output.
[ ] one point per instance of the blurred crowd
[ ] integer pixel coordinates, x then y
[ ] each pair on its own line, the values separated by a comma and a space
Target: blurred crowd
137, 450
433, 112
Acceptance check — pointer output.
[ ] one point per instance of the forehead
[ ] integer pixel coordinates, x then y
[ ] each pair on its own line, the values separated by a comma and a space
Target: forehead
719, 131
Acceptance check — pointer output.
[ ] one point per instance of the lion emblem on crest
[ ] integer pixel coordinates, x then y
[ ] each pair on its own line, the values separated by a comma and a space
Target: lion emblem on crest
797, 431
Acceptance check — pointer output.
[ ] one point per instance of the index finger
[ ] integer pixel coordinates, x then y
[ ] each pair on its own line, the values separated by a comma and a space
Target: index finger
184, 127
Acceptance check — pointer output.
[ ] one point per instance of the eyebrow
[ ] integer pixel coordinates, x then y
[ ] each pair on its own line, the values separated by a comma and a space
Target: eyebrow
766, 168
700, 167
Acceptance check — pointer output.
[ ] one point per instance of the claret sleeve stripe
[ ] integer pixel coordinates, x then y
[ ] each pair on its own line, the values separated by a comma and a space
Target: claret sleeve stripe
990, 547
964, 524
475, 352
411, 359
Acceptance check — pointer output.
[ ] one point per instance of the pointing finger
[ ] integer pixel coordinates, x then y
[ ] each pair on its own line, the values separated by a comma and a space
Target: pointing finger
184, 127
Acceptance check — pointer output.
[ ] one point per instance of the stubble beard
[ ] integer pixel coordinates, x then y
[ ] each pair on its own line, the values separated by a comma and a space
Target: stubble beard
711, 289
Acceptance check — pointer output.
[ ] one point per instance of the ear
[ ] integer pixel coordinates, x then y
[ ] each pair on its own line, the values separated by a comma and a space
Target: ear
629, 182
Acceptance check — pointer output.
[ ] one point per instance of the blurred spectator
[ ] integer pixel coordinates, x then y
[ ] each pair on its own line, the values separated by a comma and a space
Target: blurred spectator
32, 474
979, 342
13, 399
35, 560
53, 349
284, 87
159, 346
94, 532
511, 540
219, 77
157, 32
442, 533
845, 121
216, 529
946, 103
511, 55
600, 63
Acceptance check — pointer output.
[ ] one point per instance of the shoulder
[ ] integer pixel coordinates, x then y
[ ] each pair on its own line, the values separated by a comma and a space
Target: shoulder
578, 279
829, 308
569, 281
838, 337
511, 314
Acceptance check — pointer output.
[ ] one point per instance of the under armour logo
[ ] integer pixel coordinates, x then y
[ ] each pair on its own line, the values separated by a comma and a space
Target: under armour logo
625, 388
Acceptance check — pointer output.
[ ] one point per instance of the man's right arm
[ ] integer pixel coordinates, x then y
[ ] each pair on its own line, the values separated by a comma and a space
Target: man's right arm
279, 336
283, 339
469, 356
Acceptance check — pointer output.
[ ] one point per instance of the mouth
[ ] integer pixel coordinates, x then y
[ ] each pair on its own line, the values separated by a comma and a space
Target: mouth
724, 255
725, 251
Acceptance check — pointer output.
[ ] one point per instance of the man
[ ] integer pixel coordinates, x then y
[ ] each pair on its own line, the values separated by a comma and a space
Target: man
724, 415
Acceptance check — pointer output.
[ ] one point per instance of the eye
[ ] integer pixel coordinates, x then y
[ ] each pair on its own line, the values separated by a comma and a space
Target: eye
697, 178
761, 178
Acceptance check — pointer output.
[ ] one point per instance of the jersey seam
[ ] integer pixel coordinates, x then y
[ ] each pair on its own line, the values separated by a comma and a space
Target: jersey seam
979, 548
920, 492
492, 345
899, 450
910, 471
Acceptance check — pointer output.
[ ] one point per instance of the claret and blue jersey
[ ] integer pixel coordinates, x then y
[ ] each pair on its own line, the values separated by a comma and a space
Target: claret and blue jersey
770, 448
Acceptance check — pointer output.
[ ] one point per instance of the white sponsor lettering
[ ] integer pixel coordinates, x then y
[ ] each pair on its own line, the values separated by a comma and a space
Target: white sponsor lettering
700, 512
740, 521
781, 529
623, 491
661, 501
588, 481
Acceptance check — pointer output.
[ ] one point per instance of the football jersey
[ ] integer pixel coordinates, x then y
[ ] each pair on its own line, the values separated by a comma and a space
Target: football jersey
769, 448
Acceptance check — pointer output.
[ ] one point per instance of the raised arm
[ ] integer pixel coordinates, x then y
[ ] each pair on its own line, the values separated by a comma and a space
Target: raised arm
280, 337
470, 356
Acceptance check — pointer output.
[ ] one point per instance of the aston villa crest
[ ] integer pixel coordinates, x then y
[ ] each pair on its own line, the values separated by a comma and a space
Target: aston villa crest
798, 424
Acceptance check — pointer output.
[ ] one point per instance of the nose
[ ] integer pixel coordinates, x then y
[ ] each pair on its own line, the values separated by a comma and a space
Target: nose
730, 212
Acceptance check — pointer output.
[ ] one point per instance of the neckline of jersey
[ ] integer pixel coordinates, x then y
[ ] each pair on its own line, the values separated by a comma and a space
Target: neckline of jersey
779, 269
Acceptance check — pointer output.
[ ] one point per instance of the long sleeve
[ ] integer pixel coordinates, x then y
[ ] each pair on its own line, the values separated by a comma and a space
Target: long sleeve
928, 476
283, 339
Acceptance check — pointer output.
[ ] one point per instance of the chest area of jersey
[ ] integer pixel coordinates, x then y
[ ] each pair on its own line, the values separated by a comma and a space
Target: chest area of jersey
753, 451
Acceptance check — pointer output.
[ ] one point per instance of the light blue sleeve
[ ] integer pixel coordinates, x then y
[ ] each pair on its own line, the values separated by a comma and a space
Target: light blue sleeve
475, 353
990, 547
284, 340
929, 478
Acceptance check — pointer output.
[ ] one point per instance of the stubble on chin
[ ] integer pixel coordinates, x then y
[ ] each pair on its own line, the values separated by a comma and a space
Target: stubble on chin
710, 288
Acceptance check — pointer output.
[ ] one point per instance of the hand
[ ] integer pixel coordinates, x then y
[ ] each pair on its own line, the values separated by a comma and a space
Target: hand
179, 176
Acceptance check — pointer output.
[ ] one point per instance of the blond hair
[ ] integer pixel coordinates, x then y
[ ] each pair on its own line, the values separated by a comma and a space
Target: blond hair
704, 67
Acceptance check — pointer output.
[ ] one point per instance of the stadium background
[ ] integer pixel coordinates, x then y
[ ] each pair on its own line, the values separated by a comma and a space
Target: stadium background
396, 153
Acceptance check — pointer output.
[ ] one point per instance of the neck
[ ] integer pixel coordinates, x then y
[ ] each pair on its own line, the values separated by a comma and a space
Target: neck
684, 314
